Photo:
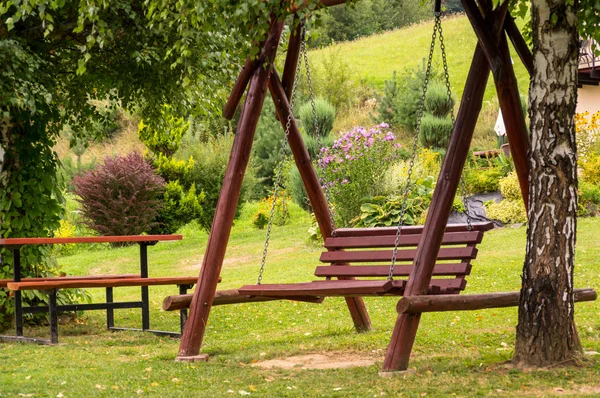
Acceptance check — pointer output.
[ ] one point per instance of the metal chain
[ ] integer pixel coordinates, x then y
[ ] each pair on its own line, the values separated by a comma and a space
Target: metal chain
322, 180
278, 178
414, 150
449, 91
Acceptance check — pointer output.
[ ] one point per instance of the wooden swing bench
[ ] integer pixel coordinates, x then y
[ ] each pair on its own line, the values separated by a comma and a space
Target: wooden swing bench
352, 253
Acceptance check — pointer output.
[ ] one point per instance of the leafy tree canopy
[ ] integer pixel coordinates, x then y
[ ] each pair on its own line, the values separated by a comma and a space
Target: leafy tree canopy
588, 15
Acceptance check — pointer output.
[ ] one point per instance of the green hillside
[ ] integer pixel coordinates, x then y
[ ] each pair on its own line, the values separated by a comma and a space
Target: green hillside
374, 58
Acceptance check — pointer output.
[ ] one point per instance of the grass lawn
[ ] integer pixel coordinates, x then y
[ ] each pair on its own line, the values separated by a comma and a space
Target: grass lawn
460, 354
374, 58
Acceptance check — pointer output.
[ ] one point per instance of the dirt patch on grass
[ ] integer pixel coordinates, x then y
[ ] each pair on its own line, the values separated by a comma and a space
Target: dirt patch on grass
318, 361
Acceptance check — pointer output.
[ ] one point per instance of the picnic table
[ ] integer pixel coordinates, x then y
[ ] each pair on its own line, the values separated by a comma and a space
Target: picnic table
51, 285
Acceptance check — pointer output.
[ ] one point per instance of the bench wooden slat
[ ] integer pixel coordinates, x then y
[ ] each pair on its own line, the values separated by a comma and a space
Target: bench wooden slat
412, 229
346, 288
88, 239
458, 253
90, 283
383, 270
450, 238
5, 282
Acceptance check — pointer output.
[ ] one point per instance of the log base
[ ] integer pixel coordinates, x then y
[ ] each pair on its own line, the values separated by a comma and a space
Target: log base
398, 374
192, 358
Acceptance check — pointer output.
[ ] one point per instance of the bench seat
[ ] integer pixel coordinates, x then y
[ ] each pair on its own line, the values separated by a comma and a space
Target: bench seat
366, 253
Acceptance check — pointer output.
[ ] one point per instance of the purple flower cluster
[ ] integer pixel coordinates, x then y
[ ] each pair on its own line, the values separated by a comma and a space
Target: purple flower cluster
357, 143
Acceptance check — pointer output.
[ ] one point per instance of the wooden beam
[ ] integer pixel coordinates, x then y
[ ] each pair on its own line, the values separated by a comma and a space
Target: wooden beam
291, 59
226, 297
239, 87
470, 302
507, 89
191, 339
512, 30
315, 194
405, 330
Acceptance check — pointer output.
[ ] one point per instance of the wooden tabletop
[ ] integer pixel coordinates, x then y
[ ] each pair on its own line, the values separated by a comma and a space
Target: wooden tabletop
88, 239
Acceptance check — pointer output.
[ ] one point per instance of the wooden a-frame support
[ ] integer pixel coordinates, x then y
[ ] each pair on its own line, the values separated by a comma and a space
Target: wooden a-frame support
491, 54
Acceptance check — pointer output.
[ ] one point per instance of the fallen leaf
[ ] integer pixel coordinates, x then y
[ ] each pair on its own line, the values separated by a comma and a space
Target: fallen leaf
230, 391
242, 392
252, 388
138, 392
175, 380
337, 389
115, 387
154, 384
148, 369
269, 379
27, 377
59, 395
25, 395
98, 386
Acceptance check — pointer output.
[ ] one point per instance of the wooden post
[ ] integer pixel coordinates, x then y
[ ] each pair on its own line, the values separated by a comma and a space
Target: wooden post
405, 330
239, 88
315, 194
191, 339
519, 43
507, 89
291, 59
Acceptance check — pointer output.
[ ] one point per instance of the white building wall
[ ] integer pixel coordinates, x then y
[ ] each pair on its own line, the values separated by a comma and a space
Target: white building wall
588, 99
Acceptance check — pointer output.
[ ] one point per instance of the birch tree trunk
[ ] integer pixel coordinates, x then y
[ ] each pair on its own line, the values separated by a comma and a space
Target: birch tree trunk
546, 331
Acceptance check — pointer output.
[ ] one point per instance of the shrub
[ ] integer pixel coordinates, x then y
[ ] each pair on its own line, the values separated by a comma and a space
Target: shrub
437, 102
483, 180
589, 199
281, 215
355, 166
507, 211
386, 105
510, 188
208, 171
381, 211
297, 189
267, 148
325, 117
121, 197
590, 169
435, 131
179, 206
165, 137
313, 147
588, 135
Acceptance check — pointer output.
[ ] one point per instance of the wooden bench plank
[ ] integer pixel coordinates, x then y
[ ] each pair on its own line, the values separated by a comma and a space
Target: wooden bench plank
450, 238
345, 288
458, 253
88, 239
5, 282
383, 270
412, 229
91, 283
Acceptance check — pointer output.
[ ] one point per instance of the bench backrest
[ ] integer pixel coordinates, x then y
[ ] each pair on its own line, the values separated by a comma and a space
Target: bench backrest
367, 253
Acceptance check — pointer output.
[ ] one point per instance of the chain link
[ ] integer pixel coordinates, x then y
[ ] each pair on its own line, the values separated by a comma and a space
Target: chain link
414, 149
465, 199
279, 176
322, 180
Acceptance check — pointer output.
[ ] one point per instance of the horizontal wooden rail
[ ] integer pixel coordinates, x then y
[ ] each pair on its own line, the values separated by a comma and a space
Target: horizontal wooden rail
223, 297
458, 253
88, 239
412, 229
469, 302
5, 282
454, 269
450, 238
91, 283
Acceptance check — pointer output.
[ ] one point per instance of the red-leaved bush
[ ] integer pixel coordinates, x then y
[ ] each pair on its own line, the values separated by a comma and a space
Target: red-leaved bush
120, 197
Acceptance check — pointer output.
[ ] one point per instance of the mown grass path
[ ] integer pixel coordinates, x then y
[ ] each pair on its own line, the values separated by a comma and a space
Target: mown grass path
458, 354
